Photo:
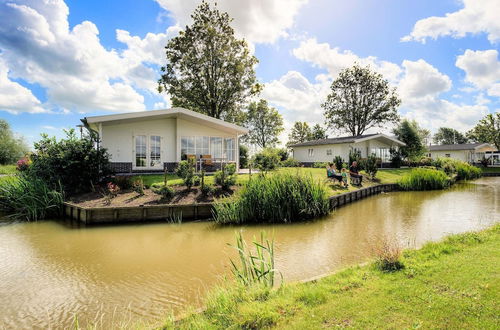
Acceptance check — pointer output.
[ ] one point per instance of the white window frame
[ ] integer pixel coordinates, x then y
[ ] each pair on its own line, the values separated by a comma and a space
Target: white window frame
210, 152
329, 152
310, 152
148, 151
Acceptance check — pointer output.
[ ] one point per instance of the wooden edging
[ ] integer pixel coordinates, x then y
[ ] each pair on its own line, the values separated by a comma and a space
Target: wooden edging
349, 197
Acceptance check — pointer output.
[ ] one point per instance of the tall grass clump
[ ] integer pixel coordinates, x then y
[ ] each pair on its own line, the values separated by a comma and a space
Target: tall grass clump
424, 179
29, 198
282, 197
388, 253
254, 268
462, 170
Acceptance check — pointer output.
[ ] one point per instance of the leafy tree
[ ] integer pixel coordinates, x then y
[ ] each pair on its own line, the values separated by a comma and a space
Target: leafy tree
264, 124
487, 130
360, 99
446, 135
318, 132
409, 132
301, 132
209, 70
11, 147
266, 160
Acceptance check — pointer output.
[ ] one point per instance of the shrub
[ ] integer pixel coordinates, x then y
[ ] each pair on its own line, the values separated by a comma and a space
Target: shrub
112, 189
138, 186
425, 161
282, 153
282, 197
11, 147
185, 170
207, 189
226, 177
290, 162
243, 156
371, 166
388, 253
320, 164
123, 181
396, 158
424, 179
166, 192
463, 170
266, 160
29, 198
354, 156
72, 162
196, 180
339, 162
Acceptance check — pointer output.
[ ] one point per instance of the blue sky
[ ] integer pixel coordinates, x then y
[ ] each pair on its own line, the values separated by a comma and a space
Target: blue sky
63, 60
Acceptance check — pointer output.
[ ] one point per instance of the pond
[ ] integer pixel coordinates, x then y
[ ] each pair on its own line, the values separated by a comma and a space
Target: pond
51, 271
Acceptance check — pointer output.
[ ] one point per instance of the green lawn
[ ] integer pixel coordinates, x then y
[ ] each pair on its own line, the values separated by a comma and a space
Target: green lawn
385, 176
7, 169
491, 169
447, 285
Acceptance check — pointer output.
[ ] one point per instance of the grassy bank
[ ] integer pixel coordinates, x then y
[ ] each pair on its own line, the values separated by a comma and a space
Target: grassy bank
7, 169
449, 284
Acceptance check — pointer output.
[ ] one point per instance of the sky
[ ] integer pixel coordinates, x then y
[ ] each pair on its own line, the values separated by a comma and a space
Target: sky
63, 60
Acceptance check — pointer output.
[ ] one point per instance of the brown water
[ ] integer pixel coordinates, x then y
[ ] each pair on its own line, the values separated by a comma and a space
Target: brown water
50, 272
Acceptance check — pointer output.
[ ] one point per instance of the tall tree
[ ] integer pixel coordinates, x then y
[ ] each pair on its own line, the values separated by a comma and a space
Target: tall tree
487, 130
300, 132
410, 133
209, 70
11, 147
360, 99
318, 132
264, 124
446, 135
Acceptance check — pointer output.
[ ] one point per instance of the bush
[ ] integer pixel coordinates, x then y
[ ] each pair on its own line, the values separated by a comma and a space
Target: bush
463, 170
371, 166
266, 160
11, 148
207, 190
354, 156
226, 177
282, 197
166, 192
339, 162
424, 179
396, 158
29, 198
290, 162
196, 181
138, 186
320, 164
388, 253
23, 164
243, 156
185, 170
426, 161
71, 162
124, 182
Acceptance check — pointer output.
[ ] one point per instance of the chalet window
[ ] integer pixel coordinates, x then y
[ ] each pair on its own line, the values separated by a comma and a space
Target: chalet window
140, 151
329, 152
216, 147
155, 151
147, 151
310, 152
447, 155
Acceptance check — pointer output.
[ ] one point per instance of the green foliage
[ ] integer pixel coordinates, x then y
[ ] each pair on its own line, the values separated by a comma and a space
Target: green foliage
29, 198
265, 124
282, 153
281, 197
266, 160
208, 70
339, 162
290, 162
320, 164
487, 130
207, 189
226, 177
255, 268
166, 192
318, 132
388, 253
138, 186
74, 163
408, 132
424, 179
196, 180
300, 132
244, 158
446, 135
123, 181
7, 169
396, 158
355, 156
185, 170
463, 170
350, 111
11, 147
371, 166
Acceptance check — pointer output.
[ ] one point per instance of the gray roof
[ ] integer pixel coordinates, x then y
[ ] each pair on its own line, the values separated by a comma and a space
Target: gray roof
463, 146
338, 140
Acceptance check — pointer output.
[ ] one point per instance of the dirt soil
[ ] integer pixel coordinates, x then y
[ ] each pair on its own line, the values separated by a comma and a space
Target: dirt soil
132, 198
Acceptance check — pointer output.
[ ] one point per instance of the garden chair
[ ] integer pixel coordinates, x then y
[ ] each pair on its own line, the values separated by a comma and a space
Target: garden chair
355, 181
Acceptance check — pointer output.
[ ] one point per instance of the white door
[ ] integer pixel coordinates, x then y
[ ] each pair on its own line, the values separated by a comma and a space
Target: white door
147, 152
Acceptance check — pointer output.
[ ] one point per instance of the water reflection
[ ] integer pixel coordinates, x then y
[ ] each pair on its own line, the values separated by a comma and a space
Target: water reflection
50, 271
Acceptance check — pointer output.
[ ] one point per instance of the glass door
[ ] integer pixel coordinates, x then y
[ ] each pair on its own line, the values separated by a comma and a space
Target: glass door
148, 151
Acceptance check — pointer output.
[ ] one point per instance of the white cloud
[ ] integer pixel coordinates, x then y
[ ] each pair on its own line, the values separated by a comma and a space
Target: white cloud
14, 97
482, 69
477, 16
259, 21
321, 55
422, 79
78, 73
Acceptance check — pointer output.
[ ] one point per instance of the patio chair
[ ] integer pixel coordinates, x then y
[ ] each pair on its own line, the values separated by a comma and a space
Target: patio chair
355, 181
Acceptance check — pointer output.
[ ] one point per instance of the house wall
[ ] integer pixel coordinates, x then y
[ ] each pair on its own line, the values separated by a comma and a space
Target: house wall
463, 155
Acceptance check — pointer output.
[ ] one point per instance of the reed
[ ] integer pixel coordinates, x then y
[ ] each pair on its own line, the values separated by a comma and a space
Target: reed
424, 179
29, 198
258, 267
282, 197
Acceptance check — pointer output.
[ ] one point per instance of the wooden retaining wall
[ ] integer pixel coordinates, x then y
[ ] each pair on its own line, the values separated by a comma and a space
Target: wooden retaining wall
491, 174
87, 215
349, 197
